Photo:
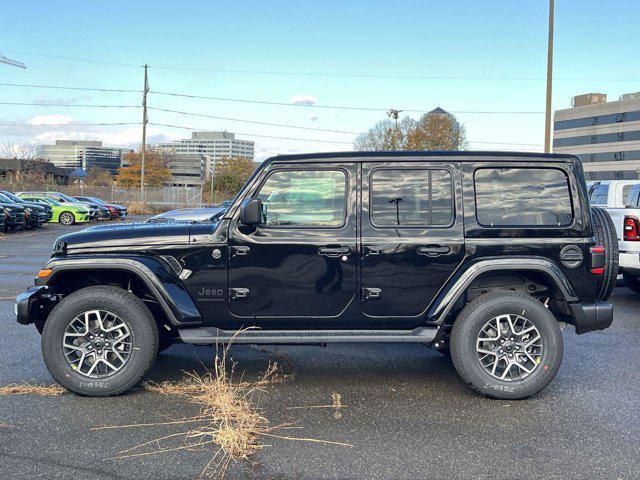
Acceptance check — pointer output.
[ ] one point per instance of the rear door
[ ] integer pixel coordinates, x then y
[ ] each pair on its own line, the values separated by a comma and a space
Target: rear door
412, 238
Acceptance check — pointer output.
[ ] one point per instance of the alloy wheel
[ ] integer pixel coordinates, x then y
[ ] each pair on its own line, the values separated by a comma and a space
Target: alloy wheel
66, 218
97, 343
509, 347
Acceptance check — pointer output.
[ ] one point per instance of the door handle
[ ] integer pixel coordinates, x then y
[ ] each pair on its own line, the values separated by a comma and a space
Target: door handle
433, 250
334, 251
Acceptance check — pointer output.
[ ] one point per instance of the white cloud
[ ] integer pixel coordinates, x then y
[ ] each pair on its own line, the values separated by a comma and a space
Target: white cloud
303, 100
47, 100
55, 118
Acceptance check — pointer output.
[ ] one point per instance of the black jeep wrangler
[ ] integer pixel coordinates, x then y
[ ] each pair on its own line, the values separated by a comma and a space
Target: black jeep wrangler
482, 256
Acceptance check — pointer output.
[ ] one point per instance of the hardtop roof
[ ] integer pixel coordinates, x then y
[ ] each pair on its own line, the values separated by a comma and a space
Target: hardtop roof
462, 155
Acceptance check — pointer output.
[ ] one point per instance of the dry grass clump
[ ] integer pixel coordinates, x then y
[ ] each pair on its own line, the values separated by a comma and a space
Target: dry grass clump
31, 388
228, 421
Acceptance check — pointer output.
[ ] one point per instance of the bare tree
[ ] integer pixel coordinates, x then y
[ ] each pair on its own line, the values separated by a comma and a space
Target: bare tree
23, 151
436, 130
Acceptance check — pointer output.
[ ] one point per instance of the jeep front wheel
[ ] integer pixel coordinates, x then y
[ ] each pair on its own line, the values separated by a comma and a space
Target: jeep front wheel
506, 345
99, 341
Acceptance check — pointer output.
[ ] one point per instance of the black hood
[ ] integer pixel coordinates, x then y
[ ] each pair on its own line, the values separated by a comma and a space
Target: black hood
128, 236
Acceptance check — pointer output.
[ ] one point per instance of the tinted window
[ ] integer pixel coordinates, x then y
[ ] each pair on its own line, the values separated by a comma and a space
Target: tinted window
600, 194
522, 196
304, 198
411, 197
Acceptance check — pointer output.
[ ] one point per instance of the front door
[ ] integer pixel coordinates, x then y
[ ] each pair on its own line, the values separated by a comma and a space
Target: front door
301, 262
412, 238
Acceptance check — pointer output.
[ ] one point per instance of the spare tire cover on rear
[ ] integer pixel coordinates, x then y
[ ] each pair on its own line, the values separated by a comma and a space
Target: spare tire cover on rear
605, 232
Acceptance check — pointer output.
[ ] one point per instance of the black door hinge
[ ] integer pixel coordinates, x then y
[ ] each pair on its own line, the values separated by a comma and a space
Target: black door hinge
235, 293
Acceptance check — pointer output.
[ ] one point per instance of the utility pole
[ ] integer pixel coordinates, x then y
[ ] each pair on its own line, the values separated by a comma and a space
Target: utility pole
144, 131
547, 122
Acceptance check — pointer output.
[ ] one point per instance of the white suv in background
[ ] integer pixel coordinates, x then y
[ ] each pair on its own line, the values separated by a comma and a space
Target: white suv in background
621, 199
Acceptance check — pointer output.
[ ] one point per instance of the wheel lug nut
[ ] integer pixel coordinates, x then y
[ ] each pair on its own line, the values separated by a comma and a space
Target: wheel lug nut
511, 355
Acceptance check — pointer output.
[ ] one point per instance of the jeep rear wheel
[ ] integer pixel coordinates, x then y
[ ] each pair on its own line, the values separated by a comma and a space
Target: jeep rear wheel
506, 345
99, 341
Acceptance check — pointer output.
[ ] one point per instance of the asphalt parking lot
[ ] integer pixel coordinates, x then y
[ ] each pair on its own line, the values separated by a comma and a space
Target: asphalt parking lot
406, 412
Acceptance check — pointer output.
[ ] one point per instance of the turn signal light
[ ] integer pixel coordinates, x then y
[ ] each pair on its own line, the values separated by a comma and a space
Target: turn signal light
44, 273
631, 229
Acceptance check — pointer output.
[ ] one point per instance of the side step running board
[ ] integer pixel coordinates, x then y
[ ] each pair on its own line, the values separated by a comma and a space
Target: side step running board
213, 335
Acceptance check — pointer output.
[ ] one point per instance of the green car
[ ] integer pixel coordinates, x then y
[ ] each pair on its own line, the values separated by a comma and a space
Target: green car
64, 213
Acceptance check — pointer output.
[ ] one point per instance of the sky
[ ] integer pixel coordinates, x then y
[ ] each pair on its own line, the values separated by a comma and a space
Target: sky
469, 57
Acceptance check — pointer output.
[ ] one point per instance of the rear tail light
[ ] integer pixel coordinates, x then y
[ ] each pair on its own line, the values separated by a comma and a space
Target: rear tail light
631, 229
598, 260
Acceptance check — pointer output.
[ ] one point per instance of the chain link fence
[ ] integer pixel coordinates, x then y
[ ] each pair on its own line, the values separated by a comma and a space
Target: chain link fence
156, 199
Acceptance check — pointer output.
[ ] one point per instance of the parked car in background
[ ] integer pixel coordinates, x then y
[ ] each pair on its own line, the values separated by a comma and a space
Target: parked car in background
47, 208
204, 214
59, 197
103, 213
65, 213
621, 200
35, 215
3, 219
15, 216
116, 211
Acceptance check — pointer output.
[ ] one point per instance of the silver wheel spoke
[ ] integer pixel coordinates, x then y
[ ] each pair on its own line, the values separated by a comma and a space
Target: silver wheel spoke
90, 341
509, 347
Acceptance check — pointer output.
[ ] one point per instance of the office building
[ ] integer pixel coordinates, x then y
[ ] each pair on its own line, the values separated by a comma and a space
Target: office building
187, 170
213, 145
83, 154
605, 135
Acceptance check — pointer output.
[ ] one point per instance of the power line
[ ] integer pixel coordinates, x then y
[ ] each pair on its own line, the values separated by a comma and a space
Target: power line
253, 135
31, 85
68, 105
67, 124
284, 125
339, 107
76, 59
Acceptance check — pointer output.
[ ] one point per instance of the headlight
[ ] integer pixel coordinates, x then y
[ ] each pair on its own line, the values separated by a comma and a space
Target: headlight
28, 210
6, 211
83, 211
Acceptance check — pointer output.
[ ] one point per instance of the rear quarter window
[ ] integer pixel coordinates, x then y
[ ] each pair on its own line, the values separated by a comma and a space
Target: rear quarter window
521, 197
600, 194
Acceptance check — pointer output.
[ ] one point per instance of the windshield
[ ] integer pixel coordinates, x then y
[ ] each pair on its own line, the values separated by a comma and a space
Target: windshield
12, 196
96, 200
49, 201
5, 199
67, 198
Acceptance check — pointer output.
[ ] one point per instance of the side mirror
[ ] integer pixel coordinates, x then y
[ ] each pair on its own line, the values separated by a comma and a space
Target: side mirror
251, 211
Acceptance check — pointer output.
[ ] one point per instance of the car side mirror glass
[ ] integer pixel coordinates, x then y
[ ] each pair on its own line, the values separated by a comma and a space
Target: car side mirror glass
251, 211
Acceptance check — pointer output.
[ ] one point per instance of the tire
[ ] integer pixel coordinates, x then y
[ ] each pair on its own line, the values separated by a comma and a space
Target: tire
142, 350
605, 233
632, 282
484, 309
67, 218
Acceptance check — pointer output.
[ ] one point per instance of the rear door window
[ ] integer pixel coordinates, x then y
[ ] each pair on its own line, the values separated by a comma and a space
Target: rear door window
519, 197
411, 197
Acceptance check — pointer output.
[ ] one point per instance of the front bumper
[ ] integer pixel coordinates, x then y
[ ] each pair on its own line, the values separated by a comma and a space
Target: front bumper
588, 317
31, 305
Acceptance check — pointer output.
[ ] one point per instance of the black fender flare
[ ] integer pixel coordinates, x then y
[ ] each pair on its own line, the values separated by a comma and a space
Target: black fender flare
154, 272
459, 283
